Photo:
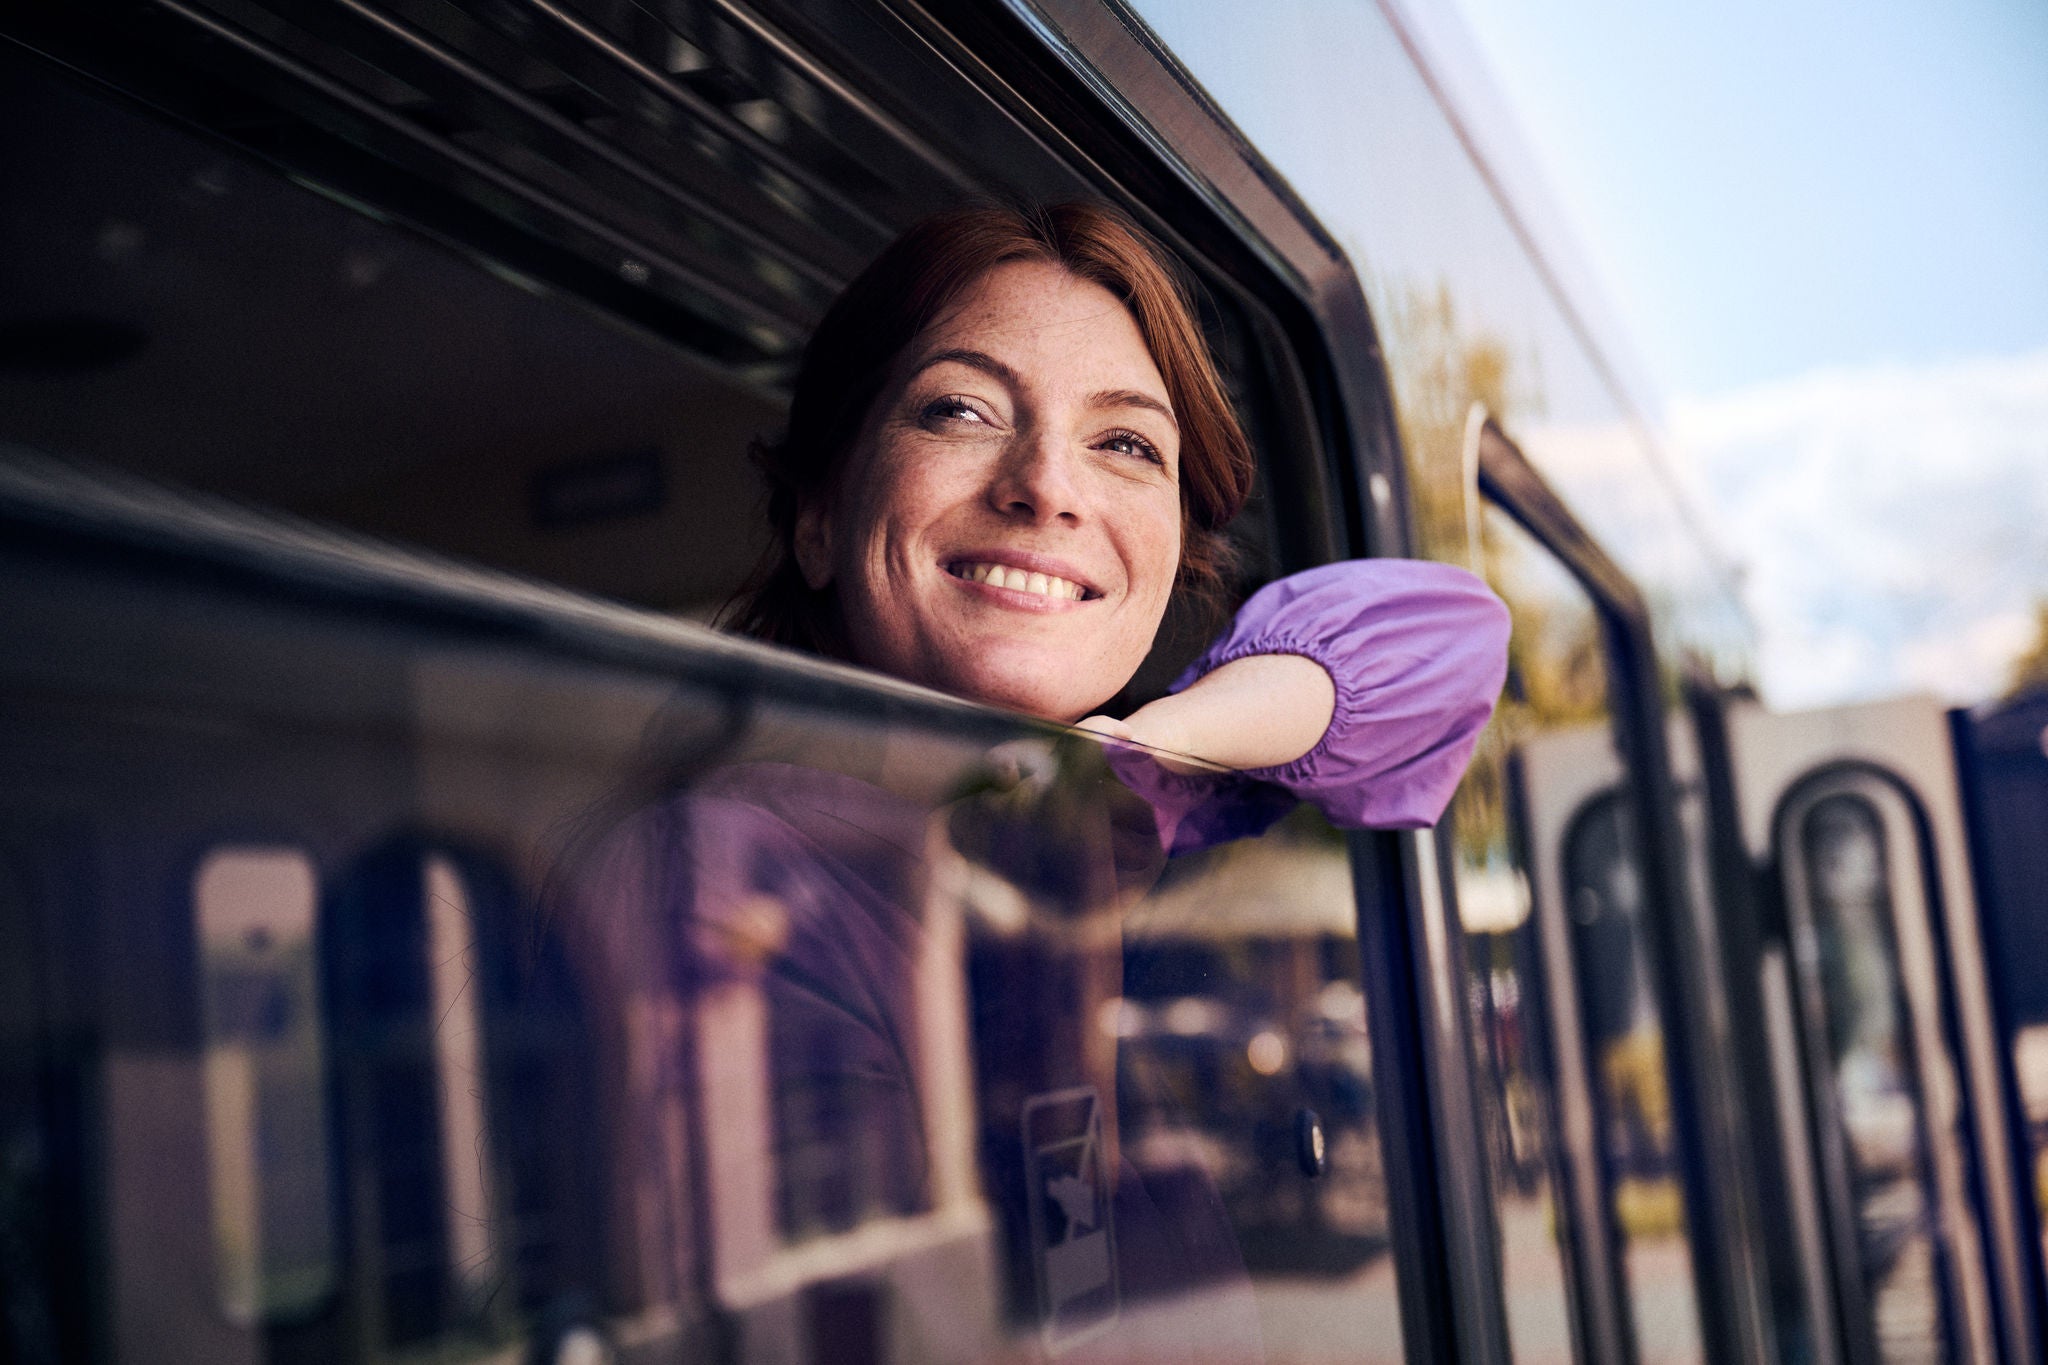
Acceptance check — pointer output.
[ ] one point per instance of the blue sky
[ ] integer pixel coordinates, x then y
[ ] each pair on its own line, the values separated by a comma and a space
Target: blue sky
1826, 228
1773, 189
1823, 232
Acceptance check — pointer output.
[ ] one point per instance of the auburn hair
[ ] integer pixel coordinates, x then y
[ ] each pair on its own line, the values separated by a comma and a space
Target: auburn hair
903, 291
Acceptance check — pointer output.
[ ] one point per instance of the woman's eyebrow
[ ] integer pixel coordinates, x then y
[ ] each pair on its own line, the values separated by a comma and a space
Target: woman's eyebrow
977, 360
1132, 398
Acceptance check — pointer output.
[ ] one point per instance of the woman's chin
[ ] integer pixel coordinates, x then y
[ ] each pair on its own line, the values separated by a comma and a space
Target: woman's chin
1045, 691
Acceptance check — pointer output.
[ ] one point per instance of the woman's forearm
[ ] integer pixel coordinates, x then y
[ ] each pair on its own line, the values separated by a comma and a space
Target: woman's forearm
1256, 712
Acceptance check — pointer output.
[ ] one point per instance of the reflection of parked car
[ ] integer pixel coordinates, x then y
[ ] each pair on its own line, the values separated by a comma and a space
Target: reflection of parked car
1218, 1083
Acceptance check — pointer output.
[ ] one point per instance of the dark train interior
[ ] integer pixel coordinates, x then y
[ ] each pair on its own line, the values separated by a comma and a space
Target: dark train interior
176, 308
298, 353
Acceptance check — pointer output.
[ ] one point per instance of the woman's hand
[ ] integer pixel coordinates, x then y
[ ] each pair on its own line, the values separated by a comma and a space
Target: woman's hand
1256, 712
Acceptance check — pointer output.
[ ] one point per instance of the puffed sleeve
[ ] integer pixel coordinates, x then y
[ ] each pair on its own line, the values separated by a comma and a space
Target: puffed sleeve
1418, 653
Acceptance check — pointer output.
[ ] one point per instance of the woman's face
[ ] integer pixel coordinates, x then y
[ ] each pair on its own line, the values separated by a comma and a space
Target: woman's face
1008, 524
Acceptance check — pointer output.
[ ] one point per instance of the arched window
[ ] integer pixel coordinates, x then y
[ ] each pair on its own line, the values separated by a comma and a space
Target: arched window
1884, 1084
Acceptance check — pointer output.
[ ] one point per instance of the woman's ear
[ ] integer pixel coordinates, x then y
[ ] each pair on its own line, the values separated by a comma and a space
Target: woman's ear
812, 543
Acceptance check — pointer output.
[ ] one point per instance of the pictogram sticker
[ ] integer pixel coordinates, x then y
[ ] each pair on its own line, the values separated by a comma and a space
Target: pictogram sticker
1073, 1239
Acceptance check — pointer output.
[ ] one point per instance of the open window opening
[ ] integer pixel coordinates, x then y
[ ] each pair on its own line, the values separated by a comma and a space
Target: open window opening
520, 298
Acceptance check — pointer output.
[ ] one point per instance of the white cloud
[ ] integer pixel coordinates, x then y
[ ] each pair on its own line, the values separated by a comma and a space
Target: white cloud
1893, 521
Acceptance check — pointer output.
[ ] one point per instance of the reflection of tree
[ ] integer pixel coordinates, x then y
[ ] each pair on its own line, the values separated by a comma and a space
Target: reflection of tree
1438, 373
2030, 670
1557, 678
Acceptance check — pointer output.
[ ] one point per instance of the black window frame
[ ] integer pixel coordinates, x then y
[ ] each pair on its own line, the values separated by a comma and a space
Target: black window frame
1683, 949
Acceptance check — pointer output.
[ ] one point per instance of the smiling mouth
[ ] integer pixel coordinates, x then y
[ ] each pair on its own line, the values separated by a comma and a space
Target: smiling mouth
1021, 580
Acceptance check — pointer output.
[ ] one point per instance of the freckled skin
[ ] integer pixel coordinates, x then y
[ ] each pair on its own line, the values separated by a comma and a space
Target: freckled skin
1020, 422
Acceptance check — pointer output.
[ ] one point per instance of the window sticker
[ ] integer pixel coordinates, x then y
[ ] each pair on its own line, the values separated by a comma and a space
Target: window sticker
1073, 1241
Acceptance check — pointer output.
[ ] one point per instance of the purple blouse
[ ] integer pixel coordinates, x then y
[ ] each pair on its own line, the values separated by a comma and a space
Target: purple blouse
1418, 651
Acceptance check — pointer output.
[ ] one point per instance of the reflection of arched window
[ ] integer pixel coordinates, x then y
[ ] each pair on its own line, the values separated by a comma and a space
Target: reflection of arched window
842, 1063
544, 1096
379, 970
467, 1090
255, 910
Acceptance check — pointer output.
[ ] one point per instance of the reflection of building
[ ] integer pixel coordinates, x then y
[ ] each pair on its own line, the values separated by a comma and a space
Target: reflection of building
838, 1214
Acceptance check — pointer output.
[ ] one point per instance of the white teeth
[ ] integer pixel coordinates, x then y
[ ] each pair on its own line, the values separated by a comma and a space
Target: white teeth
1021, 580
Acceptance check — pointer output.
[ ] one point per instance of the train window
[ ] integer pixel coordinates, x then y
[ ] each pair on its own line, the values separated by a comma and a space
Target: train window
274, 1233
1543, 862
1842, 846
1886, 1102
178, 308
2003, 757
1155, 1143
1550, 655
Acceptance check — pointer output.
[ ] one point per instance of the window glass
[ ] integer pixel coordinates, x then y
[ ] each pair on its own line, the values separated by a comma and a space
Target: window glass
1564, 1017
1605, 896
1472, 306
1242, 1019
2030, 1067
1554, 683
1088, 1084
265, 1081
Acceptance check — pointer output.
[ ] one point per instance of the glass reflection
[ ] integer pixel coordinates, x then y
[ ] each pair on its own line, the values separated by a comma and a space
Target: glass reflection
1876, 1088
700, 1015
1243, 1037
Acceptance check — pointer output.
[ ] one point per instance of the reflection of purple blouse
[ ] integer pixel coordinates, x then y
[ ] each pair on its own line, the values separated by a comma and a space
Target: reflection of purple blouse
814, 886
1418, 652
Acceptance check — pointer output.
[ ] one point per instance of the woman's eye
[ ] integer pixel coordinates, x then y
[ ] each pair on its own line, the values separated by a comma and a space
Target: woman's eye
952, 410
1131, 443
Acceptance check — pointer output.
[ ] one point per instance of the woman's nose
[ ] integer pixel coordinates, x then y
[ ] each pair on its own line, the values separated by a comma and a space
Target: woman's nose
1037, 479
